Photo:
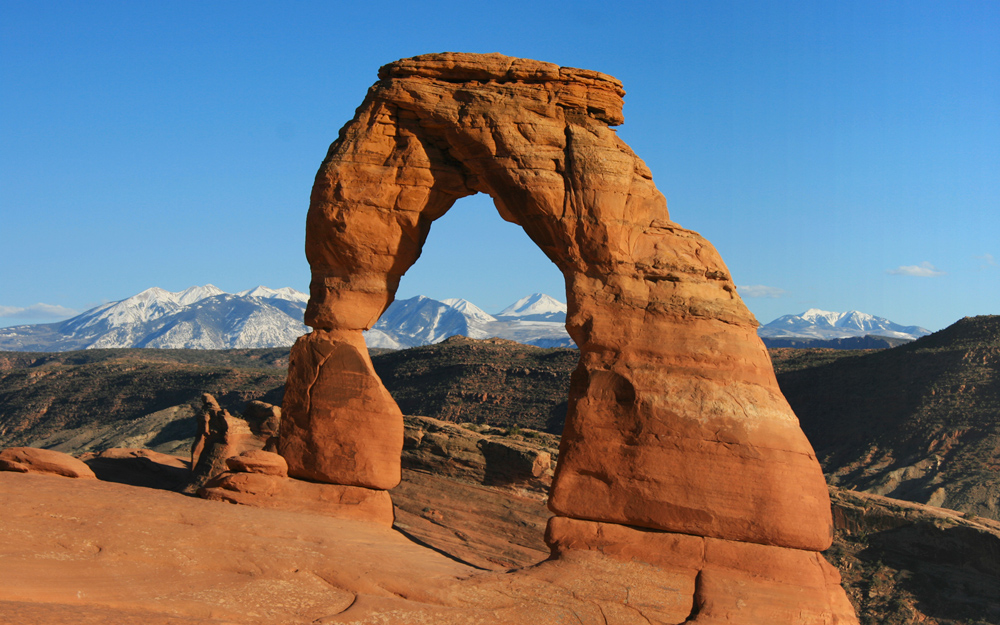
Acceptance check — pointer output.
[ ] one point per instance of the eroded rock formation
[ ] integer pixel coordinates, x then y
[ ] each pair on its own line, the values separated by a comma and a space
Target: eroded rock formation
260, 479
675, 420
219, 436
43, 461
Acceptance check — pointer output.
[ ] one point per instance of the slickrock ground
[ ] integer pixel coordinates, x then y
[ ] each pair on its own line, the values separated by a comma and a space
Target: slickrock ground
75, 551
143, 555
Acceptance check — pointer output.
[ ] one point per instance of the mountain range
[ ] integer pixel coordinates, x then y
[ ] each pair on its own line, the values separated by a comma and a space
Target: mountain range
201, 317
206, 317
825, 325
536, 320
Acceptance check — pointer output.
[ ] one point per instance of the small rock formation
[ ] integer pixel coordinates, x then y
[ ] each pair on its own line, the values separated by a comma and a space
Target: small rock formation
260, 479
220, 435
44, 461
258, 461
675, 421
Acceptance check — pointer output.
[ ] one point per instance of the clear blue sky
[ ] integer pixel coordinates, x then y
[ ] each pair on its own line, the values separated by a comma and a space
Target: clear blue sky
840, 155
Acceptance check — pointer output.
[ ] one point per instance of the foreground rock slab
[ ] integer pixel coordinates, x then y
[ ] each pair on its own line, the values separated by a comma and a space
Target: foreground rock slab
87, 551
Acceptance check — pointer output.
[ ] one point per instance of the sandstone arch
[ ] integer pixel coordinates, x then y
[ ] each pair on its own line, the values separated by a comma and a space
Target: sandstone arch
675, 422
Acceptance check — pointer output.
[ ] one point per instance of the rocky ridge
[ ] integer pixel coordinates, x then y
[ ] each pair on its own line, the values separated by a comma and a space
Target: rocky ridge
917, 422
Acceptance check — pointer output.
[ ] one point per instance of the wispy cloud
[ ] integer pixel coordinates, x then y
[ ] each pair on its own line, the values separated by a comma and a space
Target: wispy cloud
923, 270
37, 311
986, 261
759, 290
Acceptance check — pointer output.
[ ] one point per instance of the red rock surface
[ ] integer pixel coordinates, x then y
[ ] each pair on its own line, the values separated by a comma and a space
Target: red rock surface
258, 461
43, 461
339, 424
76, 551
731, 581
271, 491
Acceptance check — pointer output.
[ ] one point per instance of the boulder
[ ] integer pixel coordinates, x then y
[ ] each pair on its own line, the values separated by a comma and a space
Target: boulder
258, 461
511, 462
339, 424
490, 456
46, 461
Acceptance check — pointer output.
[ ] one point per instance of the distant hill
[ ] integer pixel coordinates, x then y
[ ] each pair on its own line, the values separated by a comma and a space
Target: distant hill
869, 341
494, 381
919, 422
95, 399
102, 398
825, 325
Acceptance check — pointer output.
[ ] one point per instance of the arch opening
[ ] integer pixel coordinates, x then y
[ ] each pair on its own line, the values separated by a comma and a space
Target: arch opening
522, 388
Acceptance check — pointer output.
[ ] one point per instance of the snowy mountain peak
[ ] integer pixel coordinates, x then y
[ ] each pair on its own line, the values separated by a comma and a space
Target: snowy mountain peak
196, 294
201, 317
468, 309
537, 306
815, 313
286, 293
205, 317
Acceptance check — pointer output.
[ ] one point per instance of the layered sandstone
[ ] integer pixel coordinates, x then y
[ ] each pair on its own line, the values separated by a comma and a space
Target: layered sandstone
675, 420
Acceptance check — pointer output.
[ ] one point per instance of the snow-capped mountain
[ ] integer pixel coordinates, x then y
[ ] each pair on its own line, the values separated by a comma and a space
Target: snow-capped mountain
287, 293
206, 317
535, 307
201, 317
469, 309
822, 324
422, 321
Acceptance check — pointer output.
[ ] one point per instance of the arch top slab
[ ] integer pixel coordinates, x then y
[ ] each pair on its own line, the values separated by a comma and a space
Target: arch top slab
675, 421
